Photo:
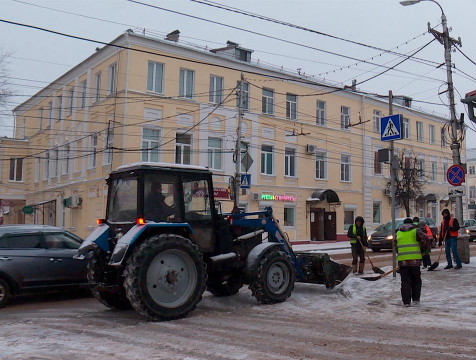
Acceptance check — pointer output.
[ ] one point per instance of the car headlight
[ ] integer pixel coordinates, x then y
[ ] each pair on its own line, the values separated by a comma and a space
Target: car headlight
389, 237
369, 238
467, 231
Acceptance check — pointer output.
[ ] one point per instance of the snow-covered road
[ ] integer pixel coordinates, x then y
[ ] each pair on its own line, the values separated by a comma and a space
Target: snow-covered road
357, 320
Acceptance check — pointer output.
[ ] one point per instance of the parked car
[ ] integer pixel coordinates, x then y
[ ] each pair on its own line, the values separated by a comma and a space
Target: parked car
36, 257
382, 237
470, 228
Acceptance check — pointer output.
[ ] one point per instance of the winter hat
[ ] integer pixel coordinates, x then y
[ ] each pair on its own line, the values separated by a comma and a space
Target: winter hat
445, 211
408, 221
416, 219
359, 218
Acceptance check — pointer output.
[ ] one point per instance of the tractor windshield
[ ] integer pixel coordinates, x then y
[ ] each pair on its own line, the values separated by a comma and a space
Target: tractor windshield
122, 200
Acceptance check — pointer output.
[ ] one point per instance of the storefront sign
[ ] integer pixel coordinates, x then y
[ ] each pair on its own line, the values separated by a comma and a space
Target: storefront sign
221, 193
277, 197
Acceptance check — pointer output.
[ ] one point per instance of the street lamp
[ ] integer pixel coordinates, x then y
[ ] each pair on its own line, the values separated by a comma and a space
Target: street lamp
445, 39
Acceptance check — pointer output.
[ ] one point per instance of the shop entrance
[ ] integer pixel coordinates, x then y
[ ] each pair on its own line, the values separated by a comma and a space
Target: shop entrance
323, 224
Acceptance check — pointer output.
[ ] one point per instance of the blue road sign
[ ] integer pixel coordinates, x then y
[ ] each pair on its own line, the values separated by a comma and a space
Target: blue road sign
455, 175
245, 181
390, 127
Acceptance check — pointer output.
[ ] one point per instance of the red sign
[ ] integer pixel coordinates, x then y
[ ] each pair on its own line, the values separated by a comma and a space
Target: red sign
455, 175
221, 193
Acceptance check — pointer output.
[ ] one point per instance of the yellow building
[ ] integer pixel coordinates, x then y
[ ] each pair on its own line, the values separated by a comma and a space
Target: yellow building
148, 99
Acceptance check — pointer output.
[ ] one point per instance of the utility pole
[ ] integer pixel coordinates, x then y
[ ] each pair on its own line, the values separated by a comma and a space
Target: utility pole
238, 146
392, 185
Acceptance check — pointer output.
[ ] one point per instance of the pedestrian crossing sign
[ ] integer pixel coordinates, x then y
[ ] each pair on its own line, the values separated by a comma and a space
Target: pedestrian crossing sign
390, 127
245, 181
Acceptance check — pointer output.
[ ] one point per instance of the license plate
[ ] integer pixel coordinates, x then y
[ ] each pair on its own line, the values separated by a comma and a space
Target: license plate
375, 242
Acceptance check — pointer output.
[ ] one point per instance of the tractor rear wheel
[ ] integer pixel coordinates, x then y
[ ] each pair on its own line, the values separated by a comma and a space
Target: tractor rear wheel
96, 275
275, 278
225, 288
165, 277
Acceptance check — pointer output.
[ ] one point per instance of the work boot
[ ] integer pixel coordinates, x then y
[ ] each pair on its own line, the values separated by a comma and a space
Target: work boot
448, 267
458, 267
361, 268
354, 269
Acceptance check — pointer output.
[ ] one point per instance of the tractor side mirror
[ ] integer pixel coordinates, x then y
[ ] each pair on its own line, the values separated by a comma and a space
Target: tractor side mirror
218, 207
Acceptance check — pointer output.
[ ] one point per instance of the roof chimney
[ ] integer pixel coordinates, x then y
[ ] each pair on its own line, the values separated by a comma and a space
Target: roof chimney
173, 36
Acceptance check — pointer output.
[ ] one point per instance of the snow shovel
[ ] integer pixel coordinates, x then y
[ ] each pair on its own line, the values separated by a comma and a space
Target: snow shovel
437, 263
375, 269
375, 278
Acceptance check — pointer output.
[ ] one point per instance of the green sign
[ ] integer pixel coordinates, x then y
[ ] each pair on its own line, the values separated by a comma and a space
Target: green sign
27, 209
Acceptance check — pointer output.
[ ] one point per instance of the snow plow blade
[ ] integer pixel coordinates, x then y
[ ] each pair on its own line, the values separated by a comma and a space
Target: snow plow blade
320, 269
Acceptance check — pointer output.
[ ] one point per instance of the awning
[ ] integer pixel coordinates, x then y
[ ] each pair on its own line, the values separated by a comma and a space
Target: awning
324, 194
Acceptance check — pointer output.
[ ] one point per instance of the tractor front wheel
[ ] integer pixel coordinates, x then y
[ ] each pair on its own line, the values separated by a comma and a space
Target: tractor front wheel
165, 277
275, 278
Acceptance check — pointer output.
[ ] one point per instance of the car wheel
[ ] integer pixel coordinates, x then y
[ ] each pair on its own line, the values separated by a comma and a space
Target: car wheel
165, 277
4, 293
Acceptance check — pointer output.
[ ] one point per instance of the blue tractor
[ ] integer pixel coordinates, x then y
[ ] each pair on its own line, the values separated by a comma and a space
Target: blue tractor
164, 242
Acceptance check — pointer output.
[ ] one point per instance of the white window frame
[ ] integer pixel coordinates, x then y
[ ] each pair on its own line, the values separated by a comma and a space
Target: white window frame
70, 101
66, 168
182, 146
421, 163
344, 117
266, 159
83, 94
108, 140
93, 151
97, 86
50, 113
37, 169
148, 144
405, 128
431, 134
443, 138
471, 170
433, 170
349, 164
213, 153
325, 161
267, 102
375, 163
184, 91
46, 166
287, 164
111, 78
15, 174
153, 84
60, 107
217, 84
444, 167
353, 210
291, 106
321, 113
379, 202
377, 116
40, 118
54, 163
293, 207
419, 131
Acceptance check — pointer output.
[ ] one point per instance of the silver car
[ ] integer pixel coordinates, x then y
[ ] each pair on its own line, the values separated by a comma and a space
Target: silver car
35, 257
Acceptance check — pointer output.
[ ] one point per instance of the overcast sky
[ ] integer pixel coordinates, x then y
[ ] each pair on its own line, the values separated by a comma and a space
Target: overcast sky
40, 57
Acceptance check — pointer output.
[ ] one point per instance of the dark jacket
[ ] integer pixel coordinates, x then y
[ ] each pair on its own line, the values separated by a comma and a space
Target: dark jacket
359, 231
422, 239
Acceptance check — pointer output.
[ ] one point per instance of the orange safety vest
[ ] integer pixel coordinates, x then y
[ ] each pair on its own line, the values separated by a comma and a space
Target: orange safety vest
452, 232
428, 231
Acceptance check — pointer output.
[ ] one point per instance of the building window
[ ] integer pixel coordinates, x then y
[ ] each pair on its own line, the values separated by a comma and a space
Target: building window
420, 163
97, 87
472, 192
321, 113
183, 149
431, 133
289, 162
344, 117
150, 144
405, 128
66, 160
111, 79
471, 170
93, 150
46, 166
40, 118
216, 89
377, 164
419, 131
268, 101
289, 216
214, 153
187, 79
16, 169
245, 97
54, 164
443, 138
377, 212
23, 128
108, 151
321, 165
291, 106
434, 169
50, 113
445, 170
60, 107
377, 116
155, 77
345, 167
348, 219
37, 170
267, 159
70, 101
83, 95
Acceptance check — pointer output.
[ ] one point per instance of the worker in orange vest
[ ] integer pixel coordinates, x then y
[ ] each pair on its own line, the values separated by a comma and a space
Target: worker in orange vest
449, 231
426, 230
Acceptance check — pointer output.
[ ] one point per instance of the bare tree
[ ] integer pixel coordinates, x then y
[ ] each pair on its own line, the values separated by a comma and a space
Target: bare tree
409, 179
5, 91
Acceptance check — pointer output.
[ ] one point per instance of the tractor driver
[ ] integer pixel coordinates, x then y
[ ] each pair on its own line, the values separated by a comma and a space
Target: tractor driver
155, 207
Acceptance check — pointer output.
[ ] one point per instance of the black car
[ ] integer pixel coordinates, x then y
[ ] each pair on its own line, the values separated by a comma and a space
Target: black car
382, 237
36, 257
